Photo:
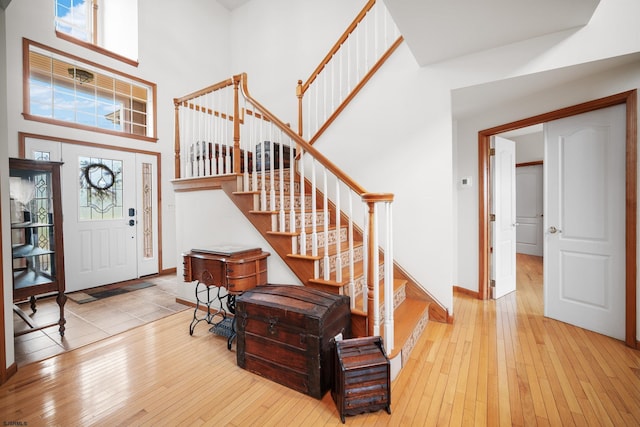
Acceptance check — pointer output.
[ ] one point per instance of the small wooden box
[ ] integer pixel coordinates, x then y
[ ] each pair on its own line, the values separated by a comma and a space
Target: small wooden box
285, 334
363, 382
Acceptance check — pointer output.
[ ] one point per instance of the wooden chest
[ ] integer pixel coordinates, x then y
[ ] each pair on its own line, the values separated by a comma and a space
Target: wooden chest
286, 333
362, 382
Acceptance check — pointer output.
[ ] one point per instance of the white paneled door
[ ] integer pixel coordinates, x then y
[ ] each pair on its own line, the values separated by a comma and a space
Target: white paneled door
529, 210
584, 221
99, 189
504, 209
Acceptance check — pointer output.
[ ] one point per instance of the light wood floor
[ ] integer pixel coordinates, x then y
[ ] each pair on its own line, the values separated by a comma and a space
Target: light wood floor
501, 363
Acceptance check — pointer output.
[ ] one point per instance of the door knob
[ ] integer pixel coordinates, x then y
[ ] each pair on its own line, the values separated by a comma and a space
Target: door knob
554, 230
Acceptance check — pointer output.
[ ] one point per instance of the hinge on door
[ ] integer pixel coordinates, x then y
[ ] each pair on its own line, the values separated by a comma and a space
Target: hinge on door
492, 151
492, 217
492, 283
492, 289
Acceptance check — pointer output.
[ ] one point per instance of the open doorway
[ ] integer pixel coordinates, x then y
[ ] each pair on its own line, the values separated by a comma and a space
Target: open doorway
484, 138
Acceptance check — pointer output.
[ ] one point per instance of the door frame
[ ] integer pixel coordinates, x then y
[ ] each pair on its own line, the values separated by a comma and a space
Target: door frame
22, 136
628, 98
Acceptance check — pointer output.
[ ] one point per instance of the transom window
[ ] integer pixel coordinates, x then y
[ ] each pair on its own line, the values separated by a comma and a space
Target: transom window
65, 89
107, 24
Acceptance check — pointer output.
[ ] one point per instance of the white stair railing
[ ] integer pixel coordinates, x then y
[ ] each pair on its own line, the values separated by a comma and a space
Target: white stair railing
357, 54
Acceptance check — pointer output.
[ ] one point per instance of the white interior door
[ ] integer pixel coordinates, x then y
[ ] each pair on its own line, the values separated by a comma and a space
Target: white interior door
504, 208
529, 210
584, 220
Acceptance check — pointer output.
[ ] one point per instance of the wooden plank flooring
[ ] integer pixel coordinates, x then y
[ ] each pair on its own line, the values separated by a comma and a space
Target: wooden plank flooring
501, 363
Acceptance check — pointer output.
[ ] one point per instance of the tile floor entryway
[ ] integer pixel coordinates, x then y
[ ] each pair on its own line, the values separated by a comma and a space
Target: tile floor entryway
95, 320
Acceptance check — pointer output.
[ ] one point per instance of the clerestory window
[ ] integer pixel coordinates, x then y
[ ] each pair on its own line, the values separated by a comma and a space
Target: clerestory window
109, 26
63, 89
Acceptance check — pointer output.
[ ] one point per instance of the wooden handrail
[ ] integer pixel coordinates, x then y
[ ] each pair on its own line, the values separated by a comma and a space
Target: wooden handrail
336, 46
206, 90
357, 188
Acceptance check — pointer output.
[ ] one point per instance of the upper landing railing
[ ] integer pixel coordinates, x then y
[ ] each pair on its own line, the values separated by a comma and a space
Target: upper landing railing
222, 130
356, 56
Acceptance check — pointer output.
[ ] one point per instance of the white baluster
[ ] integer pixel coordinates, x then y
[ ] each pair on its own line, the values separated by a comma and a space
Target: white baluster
314, 225
389, 306
352, 285
207, 136
292, 192
245, 138
252, 143
316, 110
303, 222
338, 239
282, 213
365, 260
272, 189
325, 216
263, 169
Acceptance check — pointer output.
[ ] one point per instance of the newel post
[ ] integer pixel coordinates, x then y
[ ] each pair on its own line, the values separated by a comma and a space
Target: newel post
177, 161
373, 281
236, 125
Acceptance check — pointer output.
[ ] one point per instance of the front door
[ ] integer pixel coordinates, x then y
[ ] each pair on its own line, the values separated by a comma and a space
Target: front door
99, 189
504, 213
584, 221
109, 210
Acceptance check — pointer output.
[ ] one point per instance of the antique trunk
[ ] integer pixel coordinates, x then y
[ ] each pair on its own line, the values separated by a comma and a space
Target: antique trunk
286, 334
362, 382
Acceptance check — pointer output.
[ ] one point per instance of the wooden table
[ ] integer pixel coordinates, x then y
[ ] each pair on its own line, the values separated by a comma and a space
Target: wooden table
230, 270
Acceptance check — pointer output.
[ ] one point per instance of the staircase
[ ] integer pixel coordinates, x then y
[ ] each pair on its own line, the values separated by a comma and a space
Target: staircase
411, 313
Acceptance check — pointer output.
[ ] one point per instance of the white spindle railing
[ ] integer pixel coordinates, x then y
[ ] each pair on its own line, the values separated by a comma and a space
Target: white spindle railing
365, 44
221, 130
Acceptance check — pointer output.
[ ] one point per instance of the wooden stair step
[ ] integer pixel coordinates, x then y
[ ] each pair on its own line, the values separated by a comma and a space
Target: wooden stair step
410, 319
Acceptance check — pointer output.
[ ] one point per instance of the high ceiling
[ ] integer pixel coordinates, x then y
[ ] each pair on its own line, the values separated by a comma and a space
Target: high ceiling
436, 30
